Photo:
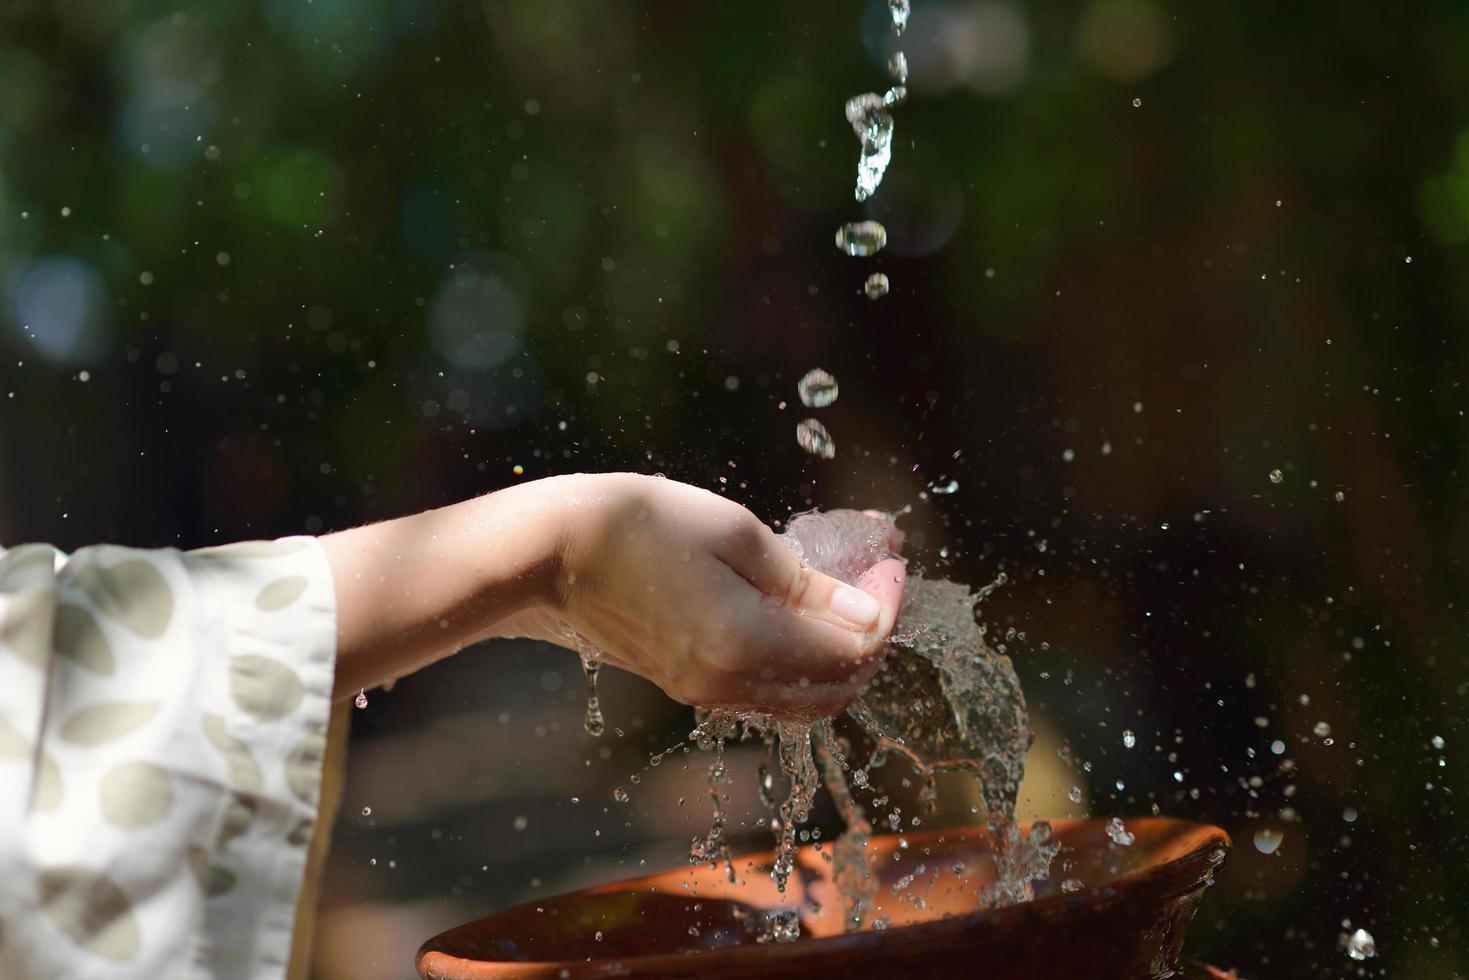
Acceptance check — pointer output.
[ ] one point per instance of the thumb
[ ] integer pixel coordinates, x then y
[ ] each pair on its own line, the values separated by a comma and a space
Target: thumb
884, 582
870, 607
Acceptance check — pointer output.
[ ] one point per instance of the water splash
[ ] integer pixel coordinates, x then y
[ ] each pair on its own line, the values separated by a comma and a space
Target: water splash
944, 700
710, 735
947, 701
849, 857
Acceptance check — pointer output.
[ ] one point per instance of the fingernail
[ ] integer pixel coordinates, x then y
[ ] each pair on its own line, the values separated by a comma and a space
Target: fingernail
855, 606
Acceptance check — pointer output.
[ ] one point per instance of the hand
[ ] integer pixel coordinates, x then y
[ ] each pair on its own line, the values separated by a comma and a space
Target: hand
693, 592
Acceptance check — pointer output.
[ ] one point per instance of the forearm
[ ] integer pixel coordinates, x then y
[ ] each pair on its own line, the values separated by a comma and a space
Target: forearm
413, 590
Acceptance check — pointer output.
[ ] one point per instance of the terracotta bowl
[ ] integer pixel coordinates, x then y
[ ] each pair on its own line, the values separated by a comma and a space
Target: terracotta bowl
1127, 918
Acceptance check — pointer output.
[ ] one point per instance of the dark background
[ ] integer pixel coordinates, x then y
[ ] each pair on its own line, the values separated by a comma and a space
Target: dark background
275, 267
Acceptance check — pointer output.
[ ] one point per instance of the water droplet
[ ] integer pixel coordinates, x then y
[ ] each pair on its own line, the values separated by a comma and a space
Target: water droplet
1119, 833
361, 699
520, 822
812, 436
1072, 885
620, 795
1267, 840
367, 811
900, 9
861, 237
876, 286
1361, 946
1129, 739
1340, 496
873, 124
1437, 741
1137, 103
1322, 729
1276, 476
817, 389
898, 67
1074, 795
594, 723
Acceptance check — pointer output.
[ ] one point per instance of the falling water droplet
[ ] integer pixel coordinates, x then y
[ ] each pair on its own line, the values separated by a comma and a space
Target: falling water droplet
1267, 840
1340, 496
1437, 741
873, 124
1129, 739
1137, 103
1119, 833
812, 436
1361, 946
900, 9
898, 67
817, 388
620, 795
367, 811
1276, 476
361, 699
1074, 795
1321, 729
861, 237
595, 724
876, 286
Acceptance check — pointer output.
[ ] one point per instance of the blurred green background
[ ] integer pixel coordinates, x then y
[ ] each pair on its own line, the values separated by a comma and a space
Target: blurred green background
274, 266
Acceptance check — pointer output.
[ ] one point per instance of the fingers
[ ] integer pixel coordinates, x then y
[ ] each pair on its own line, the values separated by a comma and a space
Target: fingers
832, 634
757, 554
869, 608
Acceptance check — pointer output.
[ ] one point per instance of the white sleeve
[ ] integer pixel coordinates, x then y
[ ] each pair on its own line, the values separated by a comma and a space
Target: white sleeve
163, 719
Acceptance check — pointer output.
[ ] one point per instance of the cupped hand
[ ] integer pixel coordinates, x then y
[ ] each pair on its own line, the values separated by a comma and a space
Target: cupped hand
693, 592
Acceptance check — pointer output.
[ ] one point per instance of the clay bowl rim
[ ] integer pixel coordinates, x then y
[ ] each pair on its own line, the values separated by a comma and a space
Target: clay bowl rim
1210, 847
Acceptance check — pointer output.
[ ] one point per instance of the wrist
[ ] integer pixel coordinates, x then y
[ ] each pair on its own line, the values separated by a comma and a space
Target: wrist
588, 507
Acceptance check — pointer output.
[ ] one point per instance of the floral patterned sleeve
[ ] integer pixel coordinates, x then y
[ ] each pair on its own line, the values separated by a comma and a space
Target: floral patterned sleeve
163, 721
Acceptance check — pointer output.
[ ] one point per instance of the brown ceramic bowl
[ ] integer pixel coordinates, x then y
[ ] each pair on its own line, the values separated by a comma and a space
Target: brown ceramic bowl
1126, 920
